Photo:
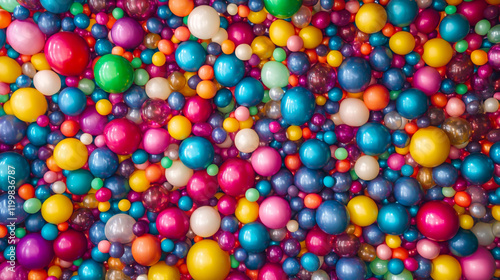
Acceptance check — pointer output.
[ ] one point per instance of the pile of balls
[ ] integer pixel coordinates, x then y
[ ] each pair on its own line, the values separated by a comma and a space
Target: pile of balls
249, 139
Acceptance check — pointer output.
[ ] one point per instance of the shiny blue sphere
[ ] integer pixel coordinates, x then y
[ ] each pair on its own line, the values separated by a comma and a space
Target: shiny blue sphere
14, 171
373, 138
72, 101
196, 152
445, 175
297, 106
454, 28
464, 243
103, 163
401, 13
351, 269
229, 70
408, 191
354, 74
91, 270
190, 56
411, 103
393, 219
249, 92
12, 130
332, 217
495, 153
477, 168
310, 262
314, 154
309, 180
254, 237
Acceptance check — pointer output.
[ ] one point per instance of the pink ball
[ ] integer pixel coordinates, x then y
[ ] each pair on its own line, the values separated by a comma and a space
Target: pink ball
272, 271
104, 246
266, 161
70, 245
318, 242
240, 33
227, 205
478, 266
25, 37
428, 249
437, 220
235, 176
427, 79
197, 109
201, 186
396, 161
122, 136
411, 264
384, 252
275, 212
172, 223
92, 122
156, 140
242, 113
294, 43
455, 107
473, 10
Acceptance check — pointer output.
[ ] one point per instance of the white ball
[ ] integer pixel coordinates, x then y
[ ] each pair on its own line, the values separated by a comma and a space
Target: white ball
292, 226
178, 174
276, 93
58, 187
205, 221
367, 168
243, 52
220, 36
158, 87
86, 139
142, 277
491, 105
134, 115
246, 140
203, 22
354, 112
232, 9
47, 82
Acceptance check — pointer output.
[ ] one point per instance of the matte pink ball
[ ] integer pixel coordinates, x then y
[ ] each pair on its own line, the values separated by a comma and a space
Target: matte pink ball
275, 212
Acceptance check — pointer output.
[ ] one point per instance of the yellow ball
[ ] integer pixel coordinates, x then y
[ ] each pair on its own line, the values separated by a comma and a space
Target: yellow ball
162, 271
28, 104
231, 125
312, 36
362, 210
207, 261
263, 47
9, 70
495, 212
138, 181
248, 123
8, 108
479, 57
40, 62
466, 221
246, 211
104, 206
446, 267
55, 271
371, 18
159, 59
402, 43
393, 241
179, 127
103, 107
294, 133
257, 17
70, 154
437, 52
334, 58
124, 205
280, 31
430, 146
57, 209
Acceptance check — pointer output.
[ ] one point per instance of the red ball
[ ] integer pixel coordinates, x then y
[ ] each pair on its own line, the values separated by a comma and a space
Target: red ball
70, 245
67, 53
122, 136
437, 221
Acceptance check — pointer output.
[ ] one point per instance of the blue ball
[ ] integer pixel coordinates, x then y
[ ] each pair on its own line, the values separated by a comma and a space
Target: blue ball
342, 181
379, 189
72, 101
135, 96
411, 103
495, 153
393, 219
49, 23
380, 58
424, 267
36, 134
3, 38
196, 152
50, 231
454, 28
11, 213
408, 192
118, 185
297, 106
13, 130
298, 63
56, 7
395, 266
332, 217
309, 180
14, 171
464, 243
351, 269
373, 235
314, 154
229, 70
354, 74
190, 56
291, 266
176, 100
103, 163
306, 218
281, 181
79, 181
310, 262
373, 138
445, 175
249, 92
255, 261
254, 237
477, 168
91, 270
393, 79
401, 13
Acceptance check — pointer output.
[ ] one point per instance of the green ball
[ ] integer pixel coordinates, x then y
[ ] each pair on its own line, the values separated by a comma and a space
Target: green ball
252, 195
461, 46
117, 13
32, 205
494, 34
279, 54
113, 73
20, 232
141, 77
212, 169
341, 153
378, 266
450, 10
8, 5
461, 89
97, 183
282, 8
482, 27
87, 86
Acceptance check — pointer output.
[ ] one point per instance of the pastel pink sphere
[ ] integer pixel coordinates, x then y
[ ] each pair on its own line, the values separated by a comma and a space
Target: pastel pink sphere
275, 212
478, 266
156, 140
294, 43
437, 220
428, 249
427, 79
455, 107
235, 176
172, 223
266, 161
122, 136
25, 37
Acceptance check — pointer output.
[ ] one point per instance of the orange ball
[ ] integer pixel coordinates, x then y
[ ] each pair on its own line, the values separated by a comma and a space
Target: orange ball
343, 165
166, 46
37, 274
181, 8
312, 200
228, 47
146, 250
182, 33
153, 173
292, 162
5, 19
462, 199
206, 89
400, 253
69, 128
3, 231
26, 191
376, 97
206, 72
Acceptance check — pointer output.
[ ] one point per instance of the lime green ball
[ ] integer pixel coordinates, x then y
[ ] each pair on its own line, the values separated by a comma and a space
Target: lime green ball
166, 162
212, 170
234, 262
341, 153
87, 86
450, 10
282, 8
32, 205
76, 8
97, 183
252, 195
279, 54
113, 73
117, 13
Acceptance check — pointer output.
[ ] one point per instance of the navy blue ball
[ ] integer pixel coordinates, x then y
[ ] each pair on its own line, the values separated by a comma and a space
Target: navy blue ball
332, 217
354, 74
309, 180
445, 175
408, 191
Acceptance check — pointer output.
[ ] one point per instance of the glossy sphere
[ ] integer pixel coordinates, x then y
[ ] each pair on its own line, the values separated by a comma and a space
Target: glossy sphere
430, 146
393, 219
437, 220
373, 138
332, 217
207, 261
477, 168
67, 53
297, 100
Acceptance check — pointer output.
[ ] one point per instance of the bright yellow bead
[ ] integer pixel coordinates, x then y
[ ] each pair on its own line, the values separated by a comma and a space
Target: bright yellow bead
55, 271
8, 108
231, 125
293, 133
363, 210
371, 18
466, 221
312, 36
459, 209
248, 123
175, 40
263, 47
479, 57
403, 151
159, 59
246, 211
495, 211
179, 127
40, 62
9, 70
446, 267
320, 100
103, 107
393, 241
123, 157
104, 206
257, 17
138, 181
437, 52
124, 205
402, 42
280, 31
91, 23
334, 58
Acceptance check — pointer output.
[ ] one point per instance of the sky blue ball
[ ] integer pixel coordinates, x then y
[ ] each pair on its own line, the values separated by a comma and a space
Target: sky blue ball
495, 153
249, 92
373, 138
314, 154
72, 101
14, 171
196, 152
254, 237
297, 106
309, 180
12, 130
454, 28
393, 219
411, 103
332, 217
477, 168
91, 270
229, 70
103, 162
79, 181
401, 13
408, 191
310, 262
351, 269
354, 74
464, 243
291, 266
190, 56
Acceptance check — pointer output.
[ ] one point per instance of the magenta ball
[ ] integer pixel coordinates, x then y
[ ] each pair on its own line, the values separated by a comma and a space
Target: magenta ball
34, 252
156, 140
201, 186
494, 57
227, 205
92, 122
236, 275
473, 10
275, 212
127, 33
122, 136
70, 245
437, 220
9, 272
427, 79
271, 271
478, 266
266, 161
427, 20
236, 176
318, 242
25, 37
240, 33
197, 109
140, 9
172, 223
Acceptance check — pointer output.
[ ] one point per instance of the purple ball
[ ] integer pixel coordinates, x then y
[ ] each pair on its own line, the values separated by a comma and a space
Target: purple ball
34, 252
494, 57
92, 122
226, 241
140, 9
127, 33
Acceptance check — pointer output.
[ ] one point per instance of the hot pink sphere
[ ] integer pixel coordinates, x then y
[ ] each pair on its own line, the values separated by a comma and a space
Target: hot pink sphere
227, 205
201, 186
236, 275
172, 223
396, 161
122, 136
437, 220
92, 122
16, 272
266, 161
478, 266
70, 245
318, 242
240, 33
156, 140
236, 176
275, 212
197, 109
271, 271
473, 10
25, 37
411, 264
427, 79
428, 249
427, 20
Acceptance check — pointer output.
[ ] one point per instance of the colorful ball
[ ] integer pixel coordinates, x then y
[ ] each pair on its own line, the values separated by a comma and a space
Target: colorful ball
430, 146
437, 220
207, 261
